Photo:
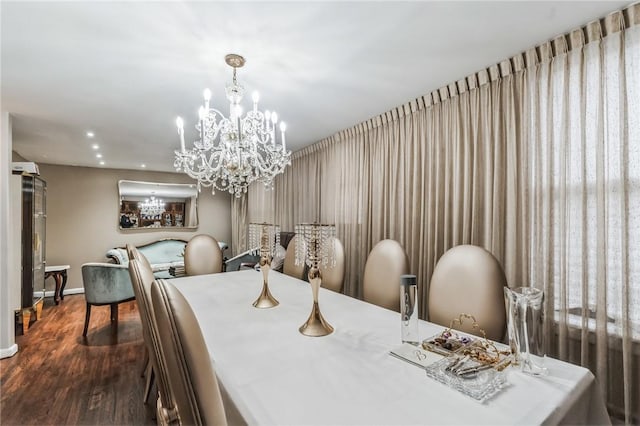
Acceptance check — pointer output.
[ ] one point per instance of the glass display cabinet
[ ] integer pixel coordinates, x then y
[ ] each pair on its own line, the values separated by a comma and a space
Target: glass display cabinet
34, 218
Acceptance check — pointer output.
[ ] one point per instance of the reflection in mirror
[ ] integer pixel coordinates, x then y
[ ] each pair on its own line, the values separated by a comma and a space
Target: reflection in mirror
157, 205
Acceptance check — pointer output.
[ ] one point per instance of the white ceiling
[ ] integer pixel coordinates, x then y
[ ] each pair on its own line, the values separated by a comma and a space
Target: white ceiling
125, 70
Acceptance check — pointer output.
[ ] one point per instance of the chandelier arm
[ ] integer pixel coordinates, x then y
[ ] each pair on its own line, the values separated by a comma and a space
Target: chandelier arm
214, 155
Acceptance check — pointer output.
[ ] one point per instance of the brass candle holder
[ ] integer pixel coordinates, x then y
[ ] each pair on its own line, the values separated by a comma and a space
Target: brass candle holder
315, 249
265, 236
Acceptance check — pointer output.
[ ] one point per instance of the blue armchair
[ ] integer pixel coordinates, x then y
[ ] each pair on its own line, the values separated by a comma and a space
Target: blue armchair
105, 284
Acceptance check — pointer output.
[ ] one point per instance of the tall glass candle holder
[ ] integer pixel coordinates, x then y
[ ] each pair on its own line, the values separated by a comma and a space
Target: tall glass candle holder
315, 249
264, 237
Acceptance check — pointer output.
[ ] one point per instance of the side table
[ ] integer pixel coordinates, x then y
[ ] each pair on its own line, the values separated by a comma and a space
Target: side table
59, 274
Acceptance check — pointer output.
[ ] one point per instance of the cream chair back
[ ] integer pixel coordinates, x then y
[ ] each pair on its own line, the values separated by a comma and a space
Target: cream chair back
468, 279
142, 279
134, 253
333, 276
290, 268
143, 310
381, 282
191, 375
202, 255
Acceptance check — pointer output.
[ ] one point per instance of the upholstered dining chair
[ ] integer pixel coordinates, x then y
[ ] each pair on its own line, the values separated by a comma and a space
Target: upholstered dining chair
381, 282
333, 276
202, 255
135, 254
290, 268
468, 279
191, 375
142, 277
105, 284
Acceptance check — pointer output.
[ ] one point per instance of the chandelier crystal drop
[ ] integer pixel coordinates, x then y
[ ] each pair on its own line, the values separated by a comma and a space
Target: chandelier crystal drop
151, 206
233, 152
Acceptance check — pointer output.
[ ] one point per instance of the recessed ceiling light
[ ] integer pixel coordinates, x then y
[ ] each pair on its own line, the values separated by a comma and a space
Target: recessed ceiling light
95, 146
102, 163
98, 155
143, 165
90, 134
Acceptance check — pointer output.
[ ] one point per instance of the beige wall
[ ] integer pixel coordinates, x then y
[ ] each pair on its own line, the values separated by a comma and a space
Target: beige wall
82, 215
17, 157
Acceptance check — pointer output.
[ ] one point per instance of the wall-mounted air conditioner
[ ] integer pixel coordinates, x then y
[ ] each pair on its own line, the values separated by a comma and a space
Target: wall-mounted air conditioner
19, 167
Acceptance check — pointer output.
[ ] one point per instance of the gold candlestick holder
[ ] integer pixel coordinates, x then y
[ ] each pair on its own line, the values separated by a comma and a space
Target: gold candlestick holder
314, 249
265, 236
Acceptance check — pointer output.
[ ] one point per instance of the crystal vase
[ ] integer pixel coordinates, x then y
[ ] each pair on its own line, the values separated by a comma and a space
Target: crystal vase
525, 317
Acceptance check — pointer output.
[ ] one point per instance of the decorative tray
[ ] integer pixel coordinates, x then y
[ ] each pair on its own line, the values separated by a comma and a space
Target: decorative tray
468, 375
471, 365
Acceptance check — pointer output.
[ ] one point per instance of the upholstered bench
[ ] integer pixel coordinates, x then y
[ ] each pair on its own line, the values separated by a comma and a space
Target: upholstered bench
161, 254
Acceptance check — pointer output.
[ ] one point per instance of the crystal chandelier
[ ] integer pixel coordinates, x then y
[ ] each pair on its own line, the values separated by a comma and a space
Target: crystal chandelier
151, 207
233, 152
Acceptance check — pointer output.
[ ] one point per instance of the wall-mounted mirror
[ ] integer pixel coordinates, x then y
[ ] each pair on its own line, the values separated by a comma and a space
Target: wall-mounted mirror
150, 205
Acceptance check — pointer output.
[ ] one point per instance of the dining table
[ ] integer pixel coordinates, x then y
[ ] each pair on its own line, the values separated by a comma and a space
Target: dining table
271, 374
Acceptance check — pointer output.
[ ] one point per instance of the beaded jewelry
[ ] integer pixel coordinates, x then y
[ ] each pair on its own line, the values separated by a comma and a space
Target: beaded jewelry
484, 351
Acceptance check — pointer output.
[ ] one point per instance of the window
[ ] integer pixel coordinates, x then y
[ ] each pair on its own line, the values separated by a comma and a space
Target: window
585, 153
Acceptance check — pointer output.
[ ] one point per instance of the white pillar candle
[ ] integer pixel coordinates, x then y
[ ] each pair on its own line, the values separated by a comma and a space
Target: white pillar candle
267, 117
256, 98
201, 114
180, 125
283, 127
207, 98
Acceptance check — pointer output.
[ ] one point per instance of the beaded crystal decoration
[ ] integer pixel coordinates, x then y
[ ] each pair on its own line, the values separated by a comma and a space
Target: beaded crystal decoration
263, 239
314, 245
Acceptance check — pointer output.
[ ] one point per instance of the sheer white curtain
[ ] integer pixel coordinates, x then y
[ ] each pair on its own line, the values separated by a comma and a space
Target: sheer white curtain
191, 212
536, 159
584, 140
239, 225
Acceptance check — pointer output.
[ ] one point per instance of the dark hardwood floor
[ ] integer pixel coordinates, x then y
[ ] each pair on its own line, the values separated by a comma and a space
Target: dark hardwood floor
59, 377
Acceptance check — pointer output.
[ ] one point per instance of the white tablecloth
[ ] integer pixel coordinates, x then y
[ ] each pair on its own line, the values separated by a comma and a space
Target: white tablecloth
276, 376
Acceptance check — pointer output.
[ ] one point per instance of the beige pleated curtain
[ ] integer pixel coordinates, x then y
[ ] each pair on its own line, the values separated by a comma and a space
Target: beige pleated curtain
537, 159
